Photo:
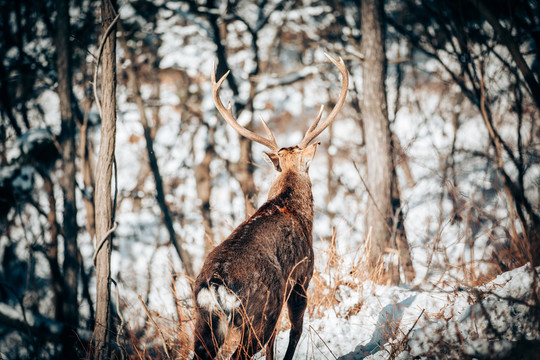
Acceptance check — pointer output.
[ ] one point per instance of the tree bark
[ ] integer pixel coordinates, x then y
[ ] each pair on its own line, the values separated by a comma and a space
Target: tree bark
204, 191
103, 203
57, 282
87, 169
398, 230
377, 134
243, 173
70, 269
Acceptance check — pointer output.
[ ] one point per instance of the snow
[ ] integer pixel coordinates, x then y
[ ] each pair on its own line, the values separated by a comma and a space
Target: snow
24, 144
349, 316
427, 318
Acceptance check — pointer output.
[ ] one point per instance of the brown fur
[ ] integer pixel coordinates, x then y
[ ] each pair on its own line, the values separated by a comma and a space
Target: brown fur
266, 262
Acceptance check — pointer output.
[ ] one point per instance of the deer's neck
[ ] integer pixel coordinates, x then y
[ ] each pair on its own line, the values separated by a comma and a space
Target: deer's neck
295, 190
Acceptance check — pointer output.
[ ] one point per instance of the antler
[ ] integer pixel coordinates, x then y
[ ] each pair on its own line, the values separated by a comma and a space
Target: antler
315, 129
228, 116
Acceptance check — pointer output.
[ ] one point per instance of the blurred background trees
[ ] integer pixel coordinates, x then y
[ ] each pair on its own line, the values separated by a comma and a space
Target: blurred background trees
454, 86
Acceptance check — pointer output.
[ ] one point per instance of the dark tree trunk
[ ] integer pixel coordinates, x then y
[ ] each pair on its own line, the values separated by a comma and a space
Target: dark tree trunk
104, 168
70, 309
398, 230
57, 282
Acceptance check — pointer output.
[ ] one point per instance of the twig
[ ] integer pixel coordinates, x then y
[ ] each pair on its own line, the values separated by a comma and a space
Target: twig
412, 327
121, 326
399, 346
324, 342
100, 52
102, 242
157, 328
23, 311
372, 198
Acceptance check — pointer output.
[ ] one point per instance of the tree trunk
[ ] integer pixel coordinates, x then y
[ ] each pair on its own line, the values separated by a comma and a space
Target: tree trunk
204, 191
376, 127
70, 309
103, 203
57, 282
243, 173
398, 230
87, 169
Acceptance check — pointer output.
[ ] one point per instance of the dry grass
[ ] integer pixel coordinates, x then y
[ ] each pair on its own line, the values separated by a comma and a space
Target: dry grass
175, 333
326, 282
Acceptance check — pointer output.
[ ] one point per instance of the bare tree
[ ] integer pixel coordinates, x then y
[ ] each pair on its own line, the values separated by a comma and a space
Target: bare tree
377, 134
103, 202
463, 46
87, 156
70, 311
243, 169
506, 39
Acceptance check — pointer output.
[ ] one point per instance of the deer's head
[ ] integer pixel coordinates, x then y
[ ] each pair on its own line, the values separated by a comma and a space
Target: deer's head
295, 158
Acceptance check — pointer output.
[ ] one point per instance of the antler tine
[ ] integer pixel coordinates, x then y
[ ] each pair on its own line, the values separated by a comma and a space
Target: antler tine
268, 131
315, 130
229, 118
316, 122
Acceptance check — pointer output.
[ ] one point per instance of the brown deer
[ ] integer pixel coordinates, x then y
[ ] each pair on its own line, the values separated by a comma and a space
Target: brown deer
268, 259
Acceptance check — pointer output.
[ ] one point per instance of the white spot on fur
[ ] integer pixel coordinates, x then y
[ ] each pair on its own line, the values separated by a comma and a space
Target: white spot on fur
229, 300
223, 299
207, 299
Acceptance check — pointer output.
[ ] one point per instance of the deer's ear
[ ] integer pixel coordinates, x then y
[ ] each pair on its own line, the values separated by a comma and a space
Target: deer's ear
308, 154
272, 159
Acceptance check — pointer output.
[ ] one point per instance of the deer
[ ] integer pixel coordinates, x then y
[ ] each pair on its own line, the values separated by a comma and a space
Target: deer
268, 260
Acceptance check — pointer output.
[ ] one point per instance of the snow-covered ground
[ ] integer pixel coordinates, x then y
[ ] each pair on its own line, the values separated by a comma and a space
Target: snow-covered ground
453, 322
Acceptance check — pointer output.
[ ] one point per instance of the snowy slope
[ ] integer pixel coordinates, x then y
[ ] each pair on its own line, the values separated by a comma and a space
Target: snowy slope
423, 322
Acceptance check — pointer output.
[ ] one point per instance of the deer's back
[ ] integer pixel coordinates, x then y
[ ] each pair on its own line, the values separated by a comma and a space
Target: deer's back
255, 262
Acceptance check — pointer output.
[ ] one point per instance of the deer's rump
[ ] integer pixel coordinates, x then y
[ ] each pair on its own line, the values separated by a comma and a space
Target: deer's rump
247, 274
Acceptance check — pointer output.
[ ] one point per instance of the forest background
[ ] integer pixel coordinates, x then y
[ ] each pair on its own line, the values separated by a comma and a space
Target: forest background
428, 181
